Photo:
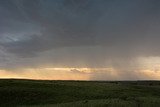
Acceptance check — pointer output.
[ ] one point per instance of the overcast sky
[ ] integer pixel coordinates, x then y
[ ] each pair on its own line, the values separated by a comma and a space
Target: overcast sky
92, 39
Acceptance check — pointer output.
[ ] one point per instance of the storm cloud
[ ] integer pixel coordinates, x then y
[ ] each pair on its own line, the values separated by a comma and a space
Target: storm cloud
78, 33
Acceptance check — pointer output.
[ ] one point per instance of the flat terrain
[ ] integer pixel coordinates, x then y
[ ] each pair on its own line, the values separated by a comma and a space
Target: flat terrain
40, 93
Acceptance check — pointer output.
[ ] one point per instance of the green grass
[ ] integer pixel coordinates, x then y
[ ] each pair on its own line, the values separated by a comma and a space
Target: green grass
36, 93
139, 102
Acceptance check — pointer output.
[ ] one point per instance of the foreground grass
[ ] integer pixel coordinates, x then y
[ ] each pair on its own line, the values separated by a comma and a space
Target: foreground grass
79, 93
139, 102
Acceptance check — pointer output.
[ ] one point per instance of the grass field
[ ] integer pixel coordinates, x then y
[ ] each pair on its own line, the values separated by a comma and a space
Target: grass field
39, 93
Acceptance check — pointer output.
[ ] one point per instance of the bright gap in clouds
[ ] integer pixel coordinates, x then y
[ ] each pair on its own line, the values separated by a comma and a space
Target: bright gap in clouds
54, 73
149, 68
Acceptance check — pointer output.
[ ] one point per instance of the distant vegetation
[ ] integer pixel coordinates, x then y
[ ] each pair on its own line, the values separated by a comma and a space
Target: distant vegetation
38, 93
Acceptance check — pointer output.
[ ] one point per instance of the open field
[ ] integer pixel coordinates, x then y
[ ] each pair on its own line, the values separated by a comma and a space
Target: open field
39, 93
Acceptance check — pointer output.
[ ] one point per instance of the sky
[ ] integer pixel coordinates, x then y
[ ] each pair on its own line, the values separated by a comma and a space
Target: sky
80, 39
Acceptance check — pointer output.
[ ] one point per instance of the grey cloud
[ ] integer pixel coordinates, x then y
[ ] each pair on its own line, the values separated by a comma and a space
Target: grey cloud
77, 71
63, 26
79, 32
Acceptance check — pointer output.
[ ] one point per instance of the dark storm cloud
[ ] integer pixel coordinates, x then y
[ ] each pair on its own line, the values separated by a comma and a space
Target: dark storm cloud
82, 23
88, 31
